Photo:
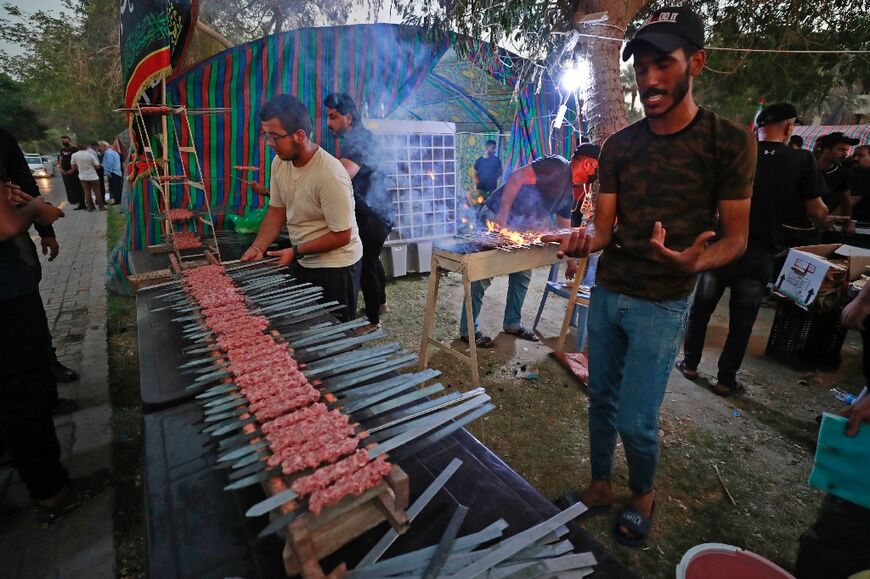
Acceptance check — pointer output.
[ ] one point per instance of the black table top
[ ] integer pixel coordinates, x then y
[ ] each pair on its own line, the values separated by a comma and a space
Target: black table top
196, 529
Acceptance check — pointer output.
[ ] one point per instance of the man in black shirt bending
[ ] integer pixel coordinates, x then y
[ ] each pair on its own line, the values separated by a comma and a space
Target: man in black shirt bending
360, 156
784, 178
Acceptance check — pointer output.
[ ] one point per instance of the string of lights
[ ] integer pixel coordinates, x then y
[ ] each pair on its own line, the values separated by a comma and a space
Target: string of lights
730, 49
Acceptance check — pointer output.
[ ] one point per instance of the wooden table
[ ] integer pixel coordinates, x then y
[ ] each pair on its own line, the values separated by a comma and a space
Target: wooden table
475, 266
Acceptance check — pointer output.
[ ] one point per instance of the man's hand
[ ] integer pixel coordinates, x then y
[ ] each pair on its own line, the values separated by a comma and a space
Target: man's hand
685, 260
571, 270
849, 228
258, 189
50, 247
856, 413
578, 243
45, 213
855, 313
251, 254
16, 195
285, 256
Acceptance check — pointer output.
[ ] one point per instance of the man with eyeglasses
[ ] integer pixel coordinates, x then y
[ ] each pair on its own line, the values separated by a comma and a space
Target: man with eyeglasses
311, 193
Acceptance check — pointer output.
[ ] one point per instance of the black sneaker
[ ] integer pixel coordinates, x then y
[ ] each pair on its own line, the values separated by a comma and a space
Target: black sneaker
62, 374
78, 492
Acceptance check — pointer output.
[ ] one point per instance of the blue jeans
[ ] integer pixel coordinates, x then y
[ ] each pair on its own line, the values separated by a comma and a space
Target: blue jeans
632, 346
518, 287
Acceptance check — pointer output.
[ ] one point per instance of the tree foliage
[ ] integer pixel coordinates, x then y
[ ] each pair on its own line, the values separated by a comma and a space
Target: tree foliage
244, 20
69, 68
734, 81
15, 115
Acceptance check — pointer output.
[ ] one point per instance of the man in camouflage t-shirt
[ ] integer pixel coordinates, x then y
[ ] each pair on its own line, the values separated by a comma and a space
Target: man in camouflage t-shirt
663, 182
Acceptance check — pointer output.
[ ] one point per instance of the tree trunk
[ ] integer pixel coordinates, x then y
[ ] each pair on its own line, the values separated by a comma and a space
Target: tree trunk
604, 100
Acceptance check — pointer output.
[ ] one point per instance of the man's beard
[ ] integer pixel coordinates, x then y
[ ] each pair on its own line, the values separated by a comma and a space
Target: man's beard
679, 93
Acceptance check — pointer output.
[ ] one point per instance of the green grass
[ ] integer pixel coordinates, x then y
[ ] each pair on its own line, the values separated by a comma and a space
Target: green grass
540, 429
128, 516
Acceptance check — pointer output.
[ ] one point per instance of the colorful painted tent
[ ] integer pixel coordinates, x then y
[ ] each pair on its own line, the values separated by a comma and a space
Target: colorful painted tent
388, 69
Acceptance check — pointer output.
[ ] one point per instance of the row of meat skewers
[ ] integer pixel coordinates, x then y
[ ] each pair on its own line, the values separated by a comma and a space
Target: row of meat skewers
302, 395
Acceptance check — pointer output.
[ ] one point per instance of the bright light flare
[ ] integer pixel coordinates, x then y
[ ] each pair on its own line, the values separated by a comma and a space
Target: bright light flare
576, 76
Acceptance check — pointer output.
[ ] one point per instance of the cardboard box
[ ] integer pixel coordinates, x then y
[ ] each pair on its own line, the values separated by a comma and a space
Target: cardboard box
811, 271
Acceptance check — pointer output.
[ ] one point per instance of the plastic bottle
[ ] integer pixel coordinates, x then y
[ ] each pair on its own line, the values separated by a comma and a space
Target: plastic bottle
365, 110
843, 396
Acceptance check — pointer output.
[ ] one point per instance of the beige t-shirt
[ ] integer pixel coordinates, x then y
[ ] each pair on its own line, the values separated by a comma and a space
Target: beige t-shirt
87, 164
317, 198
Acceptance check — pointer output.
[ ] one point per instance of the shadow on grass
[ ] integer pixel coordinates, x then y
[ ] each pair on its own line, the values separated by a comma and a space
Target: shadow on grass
128, 516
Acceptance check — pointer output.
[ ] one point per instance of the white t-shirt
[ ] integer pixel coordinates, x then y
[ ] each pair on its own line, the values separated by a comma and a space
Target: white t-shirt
87, 165
317, 198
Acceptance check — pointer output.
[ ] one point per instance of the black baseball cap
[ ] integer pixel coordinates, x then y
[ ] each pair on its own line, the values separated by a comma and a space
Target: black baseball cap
776, 113
836, 138
587, 150
667, 30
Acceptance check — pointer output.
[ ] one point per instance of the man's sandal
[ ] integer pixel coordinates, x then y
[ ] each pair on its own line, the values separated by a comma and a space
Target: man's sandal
523, 334
688, 373
727, 391
480, 340
637, 523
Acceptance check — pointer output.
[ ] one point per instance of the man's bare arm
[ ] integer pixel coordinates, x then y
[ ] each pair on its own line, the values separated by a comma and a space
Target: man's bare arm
15, 220
326, 242
579, 243
349, 166
271, 226
734, 217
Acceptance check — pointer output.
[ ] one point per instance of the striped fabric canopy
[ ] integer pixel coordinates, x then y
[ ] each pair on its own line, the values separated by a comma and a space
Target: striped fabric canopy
377, 64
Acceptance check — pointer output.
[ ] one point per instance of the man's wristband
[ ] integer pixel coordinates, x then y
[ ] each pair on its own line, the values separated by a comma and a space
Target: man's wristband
257, 249
296, 253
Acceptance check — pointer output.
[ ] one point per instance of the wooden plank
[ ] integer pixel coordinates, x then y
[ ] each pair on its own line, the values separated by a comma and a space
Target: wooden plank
140, 281
429, 319
450, 350
572, 299
160, 248
311, 538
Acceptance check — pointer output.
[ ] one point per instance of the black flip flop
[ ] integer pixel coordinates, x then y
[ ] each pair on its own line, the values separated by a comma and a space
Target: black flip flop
636, 522
684, 370
731, 391
480, 340
524, 334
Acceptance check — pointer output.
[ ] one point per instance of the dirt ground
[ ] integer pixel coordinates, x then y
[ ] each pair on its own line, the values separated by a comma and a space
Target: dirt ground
762, 442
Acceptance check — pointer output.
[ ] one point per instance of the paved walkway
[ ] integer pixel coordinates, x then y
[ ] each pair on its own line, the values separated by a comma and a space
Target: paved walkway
75, 300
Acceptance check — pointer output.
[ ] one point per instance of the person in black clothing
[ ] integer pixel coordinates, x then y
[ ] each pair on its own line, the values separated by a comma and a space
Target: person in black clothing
74, 192
796, 142
359, 155
784, 177
835, 546
18, 174
860, 183
487, 170
26, 382
833, 149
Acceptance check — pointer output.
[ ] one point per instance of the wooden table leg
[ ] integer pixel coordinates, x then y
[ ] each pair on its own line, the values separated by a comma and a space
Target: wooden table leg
429, 320
472, 345
572, 301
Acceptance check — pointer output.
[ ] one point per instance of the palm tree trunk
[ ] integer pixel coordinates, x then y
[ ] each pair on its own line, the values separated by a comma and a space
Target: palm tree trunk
605, 101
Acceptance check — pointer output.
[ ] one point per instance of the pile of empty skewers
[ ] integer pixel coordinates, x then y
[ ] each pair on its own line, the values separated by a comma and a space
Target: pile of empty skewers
294, 400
